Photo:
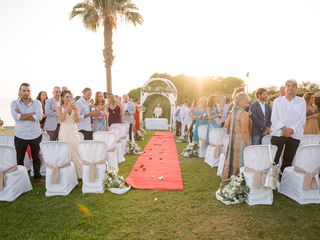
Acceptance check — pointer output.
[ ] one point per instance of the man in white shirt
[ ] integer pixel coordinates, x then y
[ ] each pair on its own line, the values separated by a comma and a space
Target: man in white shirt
177, 115
84, 126
129, 111
288, 119
27, 113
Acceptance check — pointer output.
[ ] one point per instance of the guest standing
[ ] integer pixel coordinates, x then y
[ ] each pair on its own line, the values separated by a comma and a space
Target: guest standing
288, 118
177, 115
223, 107
137, 116
260, 116
213, 115
100, 121
27, 113
68, 115
239, 125
42, 97
201, 116
311, 126
84, 126
52, 124
115, 111
129, 111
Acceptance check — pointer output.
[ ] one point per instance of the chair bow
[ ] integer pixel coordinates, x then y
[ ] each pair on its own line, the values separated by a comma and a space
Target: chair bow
3, 173
217, 150
259, 178
309, 180
56, 171
203, 143
93, 168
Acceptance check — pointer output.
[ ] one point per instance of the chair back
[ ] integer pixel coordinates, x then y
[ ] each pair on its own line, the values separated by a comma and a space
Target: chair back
7, 139
258, 157
266, 140
56, 152
122, 127
106, 136
8, 156
117, 131
308, 157
202, 131
310, 139
217, 135
92, 150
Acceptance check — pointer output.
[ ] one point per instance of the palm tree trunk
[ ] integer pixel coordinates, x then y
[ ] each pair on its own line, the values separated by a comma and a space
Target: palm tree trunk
108, 52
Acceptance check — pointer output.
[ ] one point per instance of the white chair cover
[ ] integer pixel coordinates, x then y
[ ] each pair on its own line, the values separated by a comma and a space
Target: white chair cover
223, 155
81, 136
8, 139
202, 133
59, 153
110, 139
215, 147
257, 160
93, 151
310, 139
120, 153
124, 133
266, 140
127, 129
17, 180
291, 185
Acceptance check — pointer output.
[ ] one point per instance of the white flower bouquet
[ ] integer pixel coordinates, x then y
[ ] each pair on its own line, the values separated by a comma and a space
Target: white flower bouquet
115, 183
133, 148
234, 192
191, 150
182, 139
139, 136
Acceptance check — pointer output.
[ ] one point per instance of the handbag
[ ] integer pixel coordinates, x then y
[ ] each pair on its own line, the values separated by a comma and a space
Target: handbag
272, 179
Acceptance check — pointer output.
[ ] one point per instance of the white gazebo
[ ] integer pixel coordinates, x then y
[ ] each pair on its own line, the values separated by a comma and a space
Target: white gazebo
170, 92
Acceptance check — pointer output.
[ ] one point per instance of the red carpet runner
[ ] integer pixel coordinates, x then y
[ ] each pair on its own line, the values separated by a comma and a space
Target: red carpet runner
158, 167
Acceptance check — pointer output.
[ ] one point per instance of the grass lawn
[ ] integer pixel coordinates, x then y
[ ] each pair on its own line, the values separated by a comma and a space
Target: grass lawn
190, 214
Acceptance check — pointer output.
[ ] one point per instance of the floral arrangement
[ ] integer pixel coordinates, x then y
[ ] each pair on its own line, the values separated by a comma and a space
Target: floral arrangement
133, 148
112, 180
235, 191
182, 139
191, 150
139, 135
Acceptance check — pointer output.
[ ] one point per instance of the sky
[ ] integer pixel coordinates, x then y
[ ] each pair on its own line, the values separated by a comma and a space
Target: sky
273, 40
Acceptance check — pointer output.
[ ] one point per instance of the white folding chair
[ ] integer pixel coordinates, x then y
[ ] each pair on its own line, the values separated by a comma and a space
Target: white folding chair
61, 175
14, 180
300, 182
202, 133
119, 150
257, 161
110, 139
215, 147
93, 158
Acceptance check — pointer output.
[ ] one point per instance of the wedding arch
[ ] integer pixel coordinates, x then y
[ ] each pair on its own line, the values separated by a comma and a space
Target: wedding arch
170, 92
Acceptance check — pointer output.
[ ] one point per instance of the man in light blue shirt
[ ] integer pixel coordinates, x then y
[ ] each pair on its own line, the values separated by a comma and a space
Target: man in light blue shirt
27, 113
84, 126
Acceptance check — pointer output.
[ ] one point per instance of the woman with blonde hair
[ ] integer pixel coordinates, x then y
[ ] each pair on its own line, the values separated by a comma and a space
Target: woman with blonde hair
239, 125
311, 126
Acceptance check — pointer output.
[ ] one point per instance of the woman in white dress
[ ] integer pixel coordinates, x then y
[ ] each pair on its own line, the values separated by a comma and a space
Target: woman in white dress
68, 116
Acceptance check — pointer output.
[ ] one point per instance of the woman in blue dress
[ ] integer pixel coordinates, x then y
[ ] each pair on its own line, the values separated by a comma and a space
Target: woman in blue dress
100, 120
213, 114
200, 115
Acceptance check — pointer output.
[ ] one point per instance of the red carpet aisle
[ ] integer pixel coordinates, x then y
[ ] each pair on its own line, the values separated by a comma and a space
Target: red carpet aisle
158, 167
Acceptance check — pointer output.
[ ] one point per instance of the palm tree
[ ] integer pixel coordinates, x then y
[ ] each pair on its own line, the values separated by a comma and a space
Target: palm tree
106, 12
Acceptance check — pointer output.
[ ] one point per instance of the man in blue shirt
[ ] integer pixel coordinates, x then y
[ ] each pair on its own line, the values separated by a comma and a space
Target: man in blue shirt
27, 113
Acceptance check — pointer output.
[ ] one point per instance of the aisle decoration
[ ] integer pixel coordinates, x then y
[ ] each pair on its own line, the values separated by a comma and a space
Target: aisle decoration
182, 139
234, 192
139, 135
133, 148
191, 150
115, 183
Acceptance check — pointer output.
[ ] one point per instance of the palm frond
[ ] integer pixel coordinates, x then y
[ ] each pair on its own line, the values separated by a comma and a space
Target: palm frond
78, 9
